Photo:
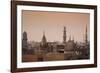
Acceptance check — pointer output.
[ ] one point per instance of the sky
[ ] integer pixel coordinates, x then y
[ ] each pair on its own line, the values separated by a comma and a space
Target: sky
52, 23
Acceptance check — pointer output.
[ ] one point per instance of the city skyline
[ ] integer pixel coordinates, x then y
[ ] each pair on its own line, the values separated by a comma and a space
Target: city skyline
52, 23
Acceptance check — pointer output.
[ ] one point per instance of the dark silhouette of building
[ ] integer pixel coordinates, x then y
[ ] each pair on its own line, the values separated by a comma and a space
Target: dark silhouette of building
86, 35
64, 35
24, 43
44, 41
67, 49
26, 47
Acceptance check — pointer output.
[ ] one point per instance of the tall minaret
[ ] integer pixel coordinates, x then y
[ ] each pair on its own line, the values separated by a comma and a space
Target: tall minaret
86, 35
44, 39
64, 35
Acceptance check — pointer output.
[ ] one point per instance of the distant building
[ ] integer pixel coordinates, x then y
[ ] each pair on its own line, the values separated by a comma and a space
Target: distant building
64, 35
44, 41
65, 50
86, 41
24, 43
26, 47
24, 40
68, 45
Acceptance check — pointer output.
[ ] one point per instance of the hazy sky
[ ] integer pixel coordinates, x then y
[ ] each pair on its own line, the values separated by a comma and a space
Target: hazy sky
52, 23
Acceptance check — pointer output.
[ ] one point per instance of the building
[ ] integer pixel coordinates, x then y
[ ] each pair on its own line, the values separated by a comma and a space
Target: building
64, 35
24, 43
68, 49
26, 47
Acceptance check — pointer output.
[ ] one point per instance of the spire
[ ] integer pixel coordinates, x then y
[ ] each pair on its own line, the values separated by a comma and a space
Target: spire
64, 35
44, 38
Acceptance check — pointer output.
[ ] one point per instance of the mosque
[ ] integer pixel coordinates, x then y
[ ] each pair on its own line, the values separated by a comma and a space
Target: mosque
47, 51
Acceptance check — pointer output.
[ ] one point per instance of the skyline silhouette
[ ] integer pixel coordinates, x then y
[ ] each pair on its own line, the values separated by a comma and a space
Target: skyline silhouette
52, 23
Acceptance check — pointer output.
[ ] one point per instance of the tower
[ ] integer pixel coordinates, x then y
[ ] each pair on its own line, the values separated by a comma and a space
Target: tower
73, 38
44, 41
64, 35
24, 43
86, 35
24, 36
24, 40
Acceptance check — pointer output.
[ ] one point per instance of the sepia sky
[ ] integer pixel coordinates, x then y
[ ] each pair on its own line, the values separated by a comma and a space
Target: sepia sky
52, 23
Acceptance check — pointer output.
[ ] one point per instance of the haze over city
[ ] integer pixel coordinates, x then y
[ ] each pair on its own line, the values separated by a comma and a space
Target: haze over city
52, 23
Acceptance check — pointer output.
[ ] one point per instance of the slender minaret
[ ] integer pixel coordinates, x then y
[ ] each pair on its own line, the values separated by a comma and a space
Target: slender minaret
44, 39
64, 35
86, 35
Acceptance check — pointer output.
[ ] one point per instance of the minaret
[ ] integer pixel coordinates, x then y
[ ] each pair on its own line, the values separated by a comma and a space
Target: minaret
44, 39
24, 40
24, 43
24, 36
64, 35
86, 35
